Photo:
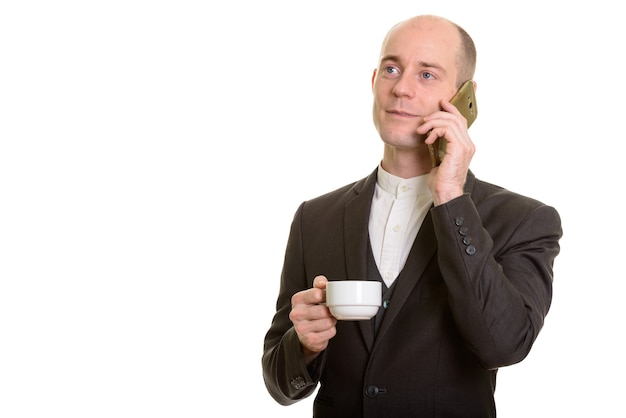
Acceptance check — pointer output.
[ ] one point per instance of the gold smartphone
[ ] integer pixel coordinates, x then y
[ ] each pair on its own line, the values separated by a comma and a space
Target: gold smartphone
465, 101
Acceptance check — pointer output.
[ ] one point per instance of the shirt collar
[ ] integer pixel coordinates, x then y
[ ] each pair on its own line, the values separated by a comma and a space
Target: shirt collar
402, 188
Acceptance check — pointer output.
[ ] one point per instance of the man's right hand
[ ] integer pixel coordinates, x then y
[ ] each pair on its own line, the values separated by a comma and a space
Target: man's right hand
312, 320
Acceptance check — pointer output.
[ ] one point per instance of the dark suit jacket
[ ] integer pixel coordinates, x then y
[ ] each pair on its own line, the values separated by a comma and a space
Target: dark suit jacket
472, 297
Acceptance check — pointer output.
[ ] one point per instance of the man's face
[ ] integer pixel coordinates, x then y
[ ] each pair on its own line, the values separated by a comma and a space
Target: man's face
417, 69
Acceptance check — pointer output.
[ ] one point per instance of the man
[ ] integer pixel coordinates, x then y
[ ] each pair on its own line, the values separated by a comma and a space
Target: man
466, 266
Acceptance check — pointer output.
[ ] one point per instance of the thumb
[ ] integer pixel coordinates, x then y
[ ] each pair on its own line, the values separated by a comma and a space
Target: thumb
320, 282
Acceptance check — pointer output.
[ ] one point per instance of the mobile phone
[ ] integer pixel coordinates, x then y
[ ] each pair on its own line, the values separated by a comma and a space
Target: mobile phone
465, 101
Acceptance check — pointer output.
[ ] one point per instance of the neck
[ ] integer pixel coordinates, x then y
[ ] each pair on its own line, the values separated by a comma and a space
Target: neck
406, 163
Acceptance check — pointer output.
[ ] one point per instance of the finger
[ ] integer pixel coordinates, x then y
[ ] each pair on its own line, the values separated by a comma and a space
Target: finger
433, 134
436, 123
449, 107
319, 313
320, 282
317, 341
311, 318
312, 296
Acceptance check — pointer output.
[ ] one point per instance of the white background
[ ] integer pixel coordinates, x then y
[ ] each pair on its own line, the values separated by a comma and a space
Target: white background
152, 155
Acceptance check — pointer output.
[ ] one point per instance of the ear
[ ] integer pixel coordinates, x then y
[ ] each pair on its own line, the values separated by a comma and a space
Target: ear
373, 77
475, 85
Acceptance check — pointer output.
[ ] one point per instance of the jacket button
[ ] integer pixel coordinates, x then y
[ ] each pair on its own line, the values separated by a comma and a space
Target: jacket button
470, 250
372, 391
298, 382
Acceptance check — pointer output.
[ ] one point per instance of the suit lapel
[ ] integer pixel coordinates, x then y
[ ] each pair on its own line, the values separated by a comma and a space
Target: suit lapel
356, 221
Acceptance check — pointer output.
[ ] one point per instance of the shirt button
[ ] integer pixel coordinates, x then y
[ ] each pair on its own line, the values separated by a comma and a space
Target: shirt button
404, 188
389, 275
396, 228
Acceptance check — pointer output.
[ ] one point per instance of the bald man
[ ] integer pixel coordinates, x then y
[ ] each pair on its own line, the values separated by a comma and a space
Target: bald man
466, 266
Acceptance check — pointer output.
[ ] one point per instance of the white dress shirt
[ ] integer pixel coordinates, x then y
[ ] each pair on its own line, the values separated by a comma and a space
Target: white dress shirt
398, 209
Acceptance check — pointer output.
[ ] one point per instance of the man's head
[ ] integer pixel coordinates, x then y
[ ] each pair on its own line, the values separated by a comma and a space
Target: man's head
423, 60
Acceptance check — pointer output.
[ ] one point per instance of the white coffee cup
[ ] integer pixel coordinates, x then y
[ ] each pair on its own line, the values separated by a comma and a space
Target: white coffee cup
353, 299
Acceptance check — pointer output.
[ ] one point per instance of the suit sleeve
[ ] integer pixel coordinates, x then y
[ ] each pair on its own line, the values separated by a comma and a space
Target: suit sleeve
497, 265
285, 373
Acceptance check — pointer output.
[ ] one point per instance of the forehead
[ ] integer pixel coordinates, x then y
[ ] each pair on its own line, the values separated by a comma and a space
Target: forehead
436, 42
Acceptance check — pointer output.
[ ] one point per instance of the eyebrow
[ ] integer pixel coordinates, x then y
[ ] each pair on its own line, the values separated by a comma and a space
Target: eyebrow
422, 64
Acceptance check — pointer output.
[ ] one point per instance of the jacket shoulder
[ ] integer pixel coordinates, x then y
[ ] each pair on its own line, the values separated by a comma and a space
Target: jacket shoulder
486, 193
339, 197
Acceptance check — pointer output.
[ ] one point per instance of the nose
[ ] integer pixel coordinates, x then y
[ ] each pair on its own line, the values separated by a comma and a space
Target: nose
405, 86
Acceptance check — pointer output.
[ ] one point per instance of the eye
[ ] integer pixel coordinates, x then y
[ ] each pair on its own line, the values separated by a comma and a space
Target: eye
390, 70
426, 75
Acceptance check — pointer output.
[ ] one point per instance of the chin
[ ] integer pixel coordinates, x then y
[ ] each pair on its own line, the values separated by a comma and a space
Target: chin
404, 141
